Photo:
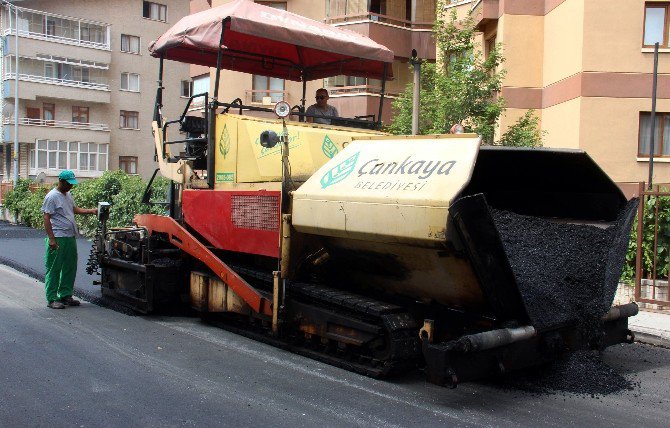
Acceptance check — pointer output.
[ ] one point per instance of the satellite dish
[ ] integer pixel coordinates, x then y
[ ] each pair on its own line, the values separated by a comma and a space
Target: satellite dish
41, 177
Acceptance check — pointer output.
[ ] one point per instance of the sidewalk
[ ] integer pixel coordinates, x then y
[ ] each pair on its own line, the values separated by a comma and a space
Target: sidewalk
22, 248
651, 327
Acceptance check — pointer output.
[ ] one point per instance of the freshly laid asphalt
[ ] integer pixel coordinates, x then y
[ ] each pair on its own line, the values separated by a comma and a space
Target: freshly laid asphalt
92, 366
22, 248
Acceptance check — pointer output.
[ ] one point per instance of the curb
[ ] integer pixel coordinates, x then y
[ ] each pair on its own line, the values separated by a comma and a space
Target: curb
651, 339
21, 268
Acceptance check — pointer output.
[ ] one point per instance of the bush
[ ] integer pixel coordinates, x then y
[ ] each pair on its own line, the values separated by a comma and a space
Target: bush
662, 254
123, 191
524, 133
19, 193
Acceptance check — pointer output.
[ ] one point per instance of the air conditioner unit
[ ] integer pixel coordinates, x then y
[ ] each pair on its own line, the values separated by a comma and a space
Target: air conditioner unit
267, 101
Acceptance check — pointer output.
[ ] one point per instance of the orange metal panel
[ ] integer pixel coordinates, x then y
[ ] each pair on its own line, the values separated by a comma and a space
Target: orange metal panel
183, 240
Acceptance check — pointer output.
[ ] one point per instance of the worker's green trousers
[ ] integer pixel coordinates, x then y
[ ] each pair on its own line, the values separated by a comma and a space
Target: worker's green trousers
61, 265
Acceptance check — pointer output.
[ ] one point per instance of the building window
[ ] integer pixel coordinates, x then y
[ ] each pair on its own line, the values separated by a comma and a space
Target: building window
33, 113
186, 88
128, 164
129, 119
48, 113
201, 84
264, 87
53, 154
130, 82
79, 114
155, 11
50, 26
92, 33
351, 84
662, 131
655, 24
130, 44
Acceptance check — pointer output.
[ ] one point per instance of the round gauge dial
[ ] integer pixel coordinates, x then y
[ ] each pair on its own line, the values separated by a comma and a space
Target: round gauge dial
282, 109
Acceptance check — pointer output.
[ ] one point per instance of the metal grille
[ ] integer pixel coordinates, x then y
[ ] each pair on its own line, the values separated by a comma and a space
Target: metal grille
255, 212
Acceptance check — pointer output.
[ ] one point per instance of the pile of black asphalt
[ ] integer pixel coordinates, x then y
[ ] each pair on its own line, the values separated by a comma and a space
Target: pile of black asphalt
567, 274
564, 271
581, 373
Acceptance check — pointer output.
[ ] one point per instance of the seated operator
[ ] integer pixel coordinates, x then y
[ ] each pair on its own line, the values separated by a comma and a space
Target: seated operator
321, 109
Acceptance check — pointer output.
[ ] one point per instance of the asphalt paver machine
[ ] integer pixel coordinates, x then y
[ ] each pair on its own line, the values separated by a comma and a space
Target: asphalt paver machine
365, 250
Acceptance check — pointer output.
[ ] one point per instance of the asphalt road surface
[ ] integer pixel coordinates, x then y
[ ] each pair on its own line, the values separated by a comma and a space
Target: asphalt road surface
23, 249
92, 366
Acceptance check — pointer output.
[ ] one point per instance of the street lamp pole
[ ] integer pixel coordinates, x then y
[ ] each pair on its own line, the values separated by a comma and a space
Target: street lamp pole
15, 151
16, 97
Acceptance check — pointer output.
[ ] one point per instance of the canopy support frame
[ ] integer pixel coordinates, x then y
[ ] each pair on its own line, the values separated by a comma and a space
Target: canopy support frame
211, 146
381, 97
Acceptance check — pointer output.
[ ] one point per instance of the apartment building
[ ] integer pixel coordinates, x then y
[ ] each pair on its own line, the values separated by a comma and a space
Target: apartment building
401, 25
86, 84
586, 67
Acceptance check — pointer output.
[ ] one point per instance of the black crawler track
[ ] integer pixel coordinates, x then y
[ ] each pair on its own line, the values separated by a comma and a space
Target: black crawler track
398, 332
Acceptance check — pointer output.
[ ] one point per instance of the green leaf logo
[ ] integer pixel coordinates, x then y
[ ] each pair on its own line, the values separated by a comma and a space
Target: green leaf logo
224, 142
328, 147
340, 171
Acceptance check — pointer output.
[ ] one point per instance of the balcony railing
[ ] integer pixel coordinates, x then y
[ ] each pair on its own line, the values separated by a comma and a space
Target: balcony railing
58, 124
261, 96
376, 17
357, 89
100, 84
58, 28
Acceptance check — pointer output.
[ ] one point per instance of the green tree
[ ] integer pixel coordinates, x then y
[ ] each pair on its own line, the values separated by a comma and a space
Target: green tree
462, 87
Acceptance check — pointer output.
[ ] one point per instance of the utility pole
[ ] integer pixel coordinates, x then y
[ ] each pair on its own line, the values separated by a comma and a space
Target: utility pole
653, 116
416, 62
15, 150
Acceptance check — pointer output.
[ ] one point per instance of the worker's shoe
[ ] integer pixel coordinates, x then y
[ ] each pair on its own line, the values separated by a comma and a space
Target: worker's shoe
55, 305
70, 301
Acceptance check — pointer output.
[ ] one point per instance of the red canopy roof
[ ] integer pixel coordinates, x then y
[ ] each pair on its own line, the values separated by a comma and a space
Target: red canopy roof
272, 42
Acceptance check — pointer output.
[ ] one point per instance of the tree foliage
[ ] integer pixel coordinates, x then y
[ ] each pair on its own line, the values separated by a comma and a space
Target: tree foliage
123, 191
462, 87
524, 133
648, 232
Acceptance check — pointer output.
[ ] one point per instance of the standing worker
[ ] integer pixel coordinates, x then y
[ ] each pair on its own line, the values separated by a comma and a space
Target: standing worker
61, 245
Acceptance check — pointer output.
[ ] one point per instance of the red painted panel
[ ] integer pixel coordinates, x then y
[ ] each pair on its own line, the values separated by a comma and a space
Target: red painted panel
235, 220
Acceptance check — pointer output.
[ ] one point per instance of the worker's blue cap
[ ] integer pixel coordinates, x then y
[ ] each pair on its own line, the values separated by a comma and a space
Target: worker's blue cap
68, 176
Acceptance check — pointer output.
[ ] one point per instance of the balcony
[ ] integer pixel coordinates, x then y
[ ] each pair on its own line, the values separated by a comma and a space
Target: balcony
51, 27
485, 12
266, 97
406, 35
68, 78
335, 91
376, 17
31, 130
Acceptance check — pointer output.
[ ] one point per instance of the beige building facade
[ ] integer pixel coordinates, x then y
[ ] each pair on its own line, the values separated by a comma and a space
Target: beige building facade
586, 67
401, 25
86, 85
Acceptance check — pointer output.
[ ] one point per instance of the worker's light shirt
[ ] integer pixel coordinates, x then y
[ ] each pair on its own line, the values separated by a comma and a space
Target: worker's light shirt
61, 208
315, 110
